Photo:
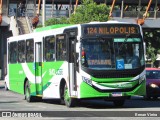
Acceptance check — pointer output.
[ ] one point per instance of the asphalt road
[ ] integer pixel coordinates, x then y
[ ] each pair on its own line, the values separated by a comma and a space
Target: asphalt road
134, 108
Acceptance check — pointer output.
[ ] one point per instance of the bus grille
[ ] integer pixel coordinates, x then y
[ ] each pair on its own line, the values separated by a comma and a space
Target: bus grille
117, 74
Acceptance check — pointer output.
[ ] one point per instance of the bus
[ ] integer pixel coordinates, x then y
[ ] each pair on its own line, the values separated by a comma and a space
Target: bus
96, 60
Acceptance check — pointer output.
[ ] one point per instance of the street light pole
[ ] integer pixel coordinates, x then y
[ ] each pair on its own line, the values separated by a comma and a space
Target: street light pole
44, 13
70, 7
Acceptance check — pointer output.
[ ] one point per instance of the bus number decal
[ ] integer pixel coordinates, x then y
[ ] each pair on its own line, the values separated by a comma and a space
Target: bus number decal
59, 72
55, 72
92, 30
51, 71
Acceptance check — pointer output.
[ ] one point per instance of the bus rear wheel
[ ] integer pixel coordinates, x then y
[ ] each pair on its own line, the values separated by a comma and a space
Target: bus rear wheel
28, 96
5, 86
69, 102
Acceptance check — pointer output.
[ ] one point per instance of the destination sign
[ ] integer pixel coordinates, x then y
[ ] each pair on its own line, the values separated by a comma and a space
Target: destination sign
108, 30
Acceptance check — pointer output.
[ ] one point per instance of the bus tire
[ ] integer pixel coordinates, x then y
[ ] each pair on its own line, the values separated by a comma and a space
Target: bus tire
5, 86
119, 103
146, 97
155, 97
62, 92
69, 102
28, 96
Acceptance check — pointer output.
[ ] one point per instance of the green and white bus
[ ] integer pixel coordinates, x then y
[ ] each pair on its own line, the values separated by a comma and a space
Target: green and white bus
97, 60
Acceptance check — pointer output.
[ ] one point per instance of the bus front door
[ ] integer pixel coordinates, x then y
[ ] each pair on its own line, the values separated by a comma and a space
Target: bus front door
38, 68
72, 66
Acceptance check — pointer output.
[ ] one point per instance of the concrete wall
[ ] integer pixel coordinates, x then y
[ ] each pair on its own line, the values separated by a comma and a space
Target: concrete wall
13, 26
4, 34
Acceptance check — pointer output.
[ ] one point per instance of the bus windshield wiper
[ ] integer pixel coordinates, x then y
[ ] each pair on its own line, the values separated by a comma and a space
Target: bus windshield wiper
125, 40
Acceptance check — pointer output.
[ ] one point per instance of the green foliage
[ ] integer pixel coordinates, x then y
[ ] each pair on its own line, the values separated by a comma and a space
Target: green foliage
64, 20
39, 26
53, 21
152, 40
90, 11
158, 51
150, 51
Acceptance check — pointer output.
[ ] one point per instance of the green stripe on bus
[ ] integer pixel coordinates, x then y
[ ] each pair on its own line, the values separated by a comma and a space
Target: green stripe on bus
51, 27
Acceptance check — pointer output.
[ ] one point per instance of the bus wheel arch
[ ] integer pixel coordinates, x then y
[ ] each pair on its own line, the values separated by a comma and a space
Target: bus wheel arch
64, 95
28, 96
24, 85
61, 90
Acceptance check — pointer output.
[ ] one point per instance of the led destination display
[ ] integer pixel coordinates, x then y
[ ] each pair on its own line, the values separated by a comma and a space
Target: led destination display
107, 30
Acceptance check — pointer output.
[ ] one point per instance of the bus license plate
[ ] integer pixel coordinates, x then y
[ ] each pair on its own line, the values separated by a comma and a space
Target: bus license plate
117, 94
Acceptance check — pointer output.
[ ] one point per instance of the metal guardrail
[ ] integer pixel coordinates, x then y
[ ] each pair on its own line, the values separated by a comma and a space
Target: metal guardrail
49, 13
136, 14
57, 13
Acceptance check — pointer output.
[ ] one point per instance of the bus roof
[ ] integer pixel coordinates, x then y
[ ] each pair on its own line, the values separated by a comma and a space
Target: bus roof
60, 27
65, 25
51, 27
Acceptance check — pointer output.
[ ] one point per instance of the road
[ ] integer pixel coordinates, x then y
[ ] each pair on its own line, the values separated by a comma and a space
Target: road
135, 107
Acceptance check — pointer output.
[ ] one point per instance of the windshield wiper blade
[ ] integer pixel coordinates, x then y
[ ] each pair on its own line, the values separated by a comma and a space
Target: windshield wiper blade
125, 40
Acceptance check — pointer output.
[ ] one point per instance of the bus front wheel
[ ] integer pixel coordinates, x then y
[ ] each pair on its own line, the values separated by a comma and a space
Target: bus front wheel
69, 102
5, 86
28, 96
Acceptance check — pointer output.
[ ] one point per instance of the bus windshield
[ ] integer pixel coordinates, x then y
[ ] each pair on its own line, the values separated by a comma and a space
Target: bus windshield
112, 53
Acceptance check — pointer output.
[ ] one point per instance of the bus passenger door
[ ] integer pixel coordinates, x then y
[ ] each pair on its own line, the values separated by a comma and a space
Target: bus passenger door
72, 65
38, 68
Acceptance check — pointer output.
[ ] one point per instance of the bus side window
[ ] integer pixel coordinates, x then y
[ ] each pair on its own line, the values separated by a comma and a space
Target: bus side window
49, 48
21, 51
61, 47
29, 50
13, 52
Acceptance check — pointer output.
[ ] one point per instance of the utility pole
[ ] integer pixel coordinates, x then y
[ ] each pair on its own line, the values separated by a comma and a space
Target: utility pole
70, 7
44, 13
52, 8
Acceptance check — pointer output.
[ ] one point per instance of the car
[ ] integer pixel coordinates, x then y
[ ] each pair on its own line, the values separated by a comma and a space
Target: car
152, 83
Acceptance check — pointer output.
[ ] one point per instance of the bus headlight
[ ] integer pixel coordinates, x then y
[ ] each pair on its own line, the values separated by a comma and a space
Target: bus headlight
87, 80
143, 77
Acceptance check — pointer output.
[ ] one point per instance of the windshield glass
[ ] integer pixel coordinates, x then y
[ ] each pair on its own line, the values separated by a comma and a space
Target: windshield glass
112, 53
155, 74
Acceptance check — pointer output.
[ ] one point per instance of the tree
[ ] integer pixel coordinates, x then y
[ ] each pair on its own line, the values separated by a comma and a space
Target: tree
150, 52
152, 40
90, 11
53, 21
